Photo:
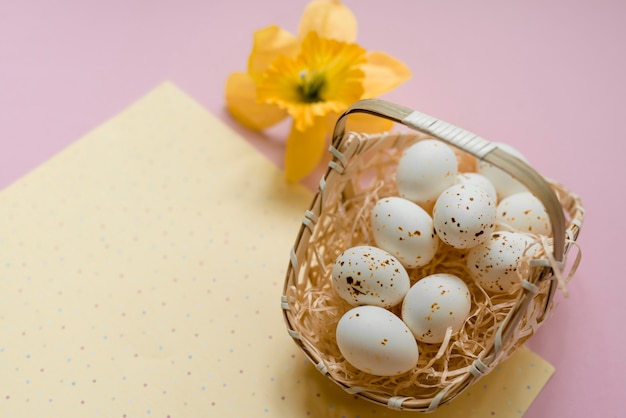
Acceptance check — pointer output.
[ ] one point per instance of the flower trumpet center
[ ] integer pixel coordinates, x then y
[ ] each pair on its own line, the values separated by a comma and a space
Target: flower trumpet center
325, 77
311, 86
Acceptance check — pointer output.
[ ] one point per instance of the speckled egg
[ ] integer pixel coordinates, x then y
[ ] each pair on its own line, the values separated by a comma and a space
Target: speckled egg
435, 303
425, 169
367, 275
376, 341
478, 180
493, 263
503, 182
464, 215
405, 230
525, 213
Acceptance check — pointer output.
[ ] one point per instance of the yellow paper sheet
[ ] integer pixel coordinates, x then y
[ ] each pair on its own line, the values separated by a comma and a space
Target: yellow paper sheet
140, 276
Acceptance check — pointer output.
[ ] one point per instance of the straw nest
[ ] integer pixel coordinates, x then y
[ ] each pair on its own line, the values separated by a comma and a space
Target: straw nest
363, 171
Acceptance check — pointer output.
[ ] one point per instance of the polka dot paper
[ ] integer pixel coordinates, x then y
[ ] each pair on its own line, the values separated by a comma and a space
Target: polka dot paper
140, 276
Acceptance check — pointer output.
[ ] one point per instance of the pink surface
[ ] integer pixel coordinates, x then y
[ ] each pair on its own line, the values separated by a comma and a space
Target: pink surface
546, 77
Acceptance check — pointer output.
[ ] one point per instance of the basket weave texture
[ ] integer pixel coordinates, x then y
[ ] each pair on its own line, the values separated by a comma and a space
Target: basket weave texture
361, 172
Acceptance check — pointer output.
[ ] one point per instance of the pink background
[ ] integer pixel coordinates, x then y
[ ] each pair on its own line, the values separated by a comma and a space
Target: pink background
546, 77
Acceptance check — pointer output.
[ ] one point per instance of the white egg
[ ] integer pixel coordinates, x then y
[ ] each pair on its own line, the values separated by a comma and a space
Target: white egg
525, 213
503, 182
405, 230
435, 303
425, 169
478, 180
376, 341
493, 263
367, 275
464, 215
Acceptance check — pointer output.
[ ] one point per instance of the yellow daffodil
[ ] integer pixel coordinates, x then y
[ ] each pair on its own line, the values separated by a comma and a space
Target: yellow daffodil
312, 78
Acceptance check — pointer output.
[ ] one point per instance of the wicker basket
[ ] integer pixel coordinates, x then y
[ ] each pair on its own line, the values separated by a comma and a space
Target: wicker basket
362, 170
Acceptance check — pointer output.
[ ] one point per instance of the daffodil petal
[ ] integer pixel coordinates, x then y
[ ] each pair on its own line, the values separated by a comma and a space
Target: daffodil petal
304, 150
361, 123
242, 103
382, 73
331, 120
268, 44
330, 19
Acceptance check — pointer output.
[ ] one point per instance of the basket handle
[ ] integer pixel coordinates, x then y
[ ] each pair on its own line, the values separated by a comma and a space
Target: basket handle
473, 144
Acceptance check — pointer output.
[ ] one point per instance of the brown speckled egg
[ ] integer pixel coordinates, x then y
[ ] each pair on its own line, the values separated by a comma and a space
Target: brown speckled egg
464, 215
425, 169
435, 303
478, 180
405, 230
367, 275
493, 263
525, 213
376, 341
